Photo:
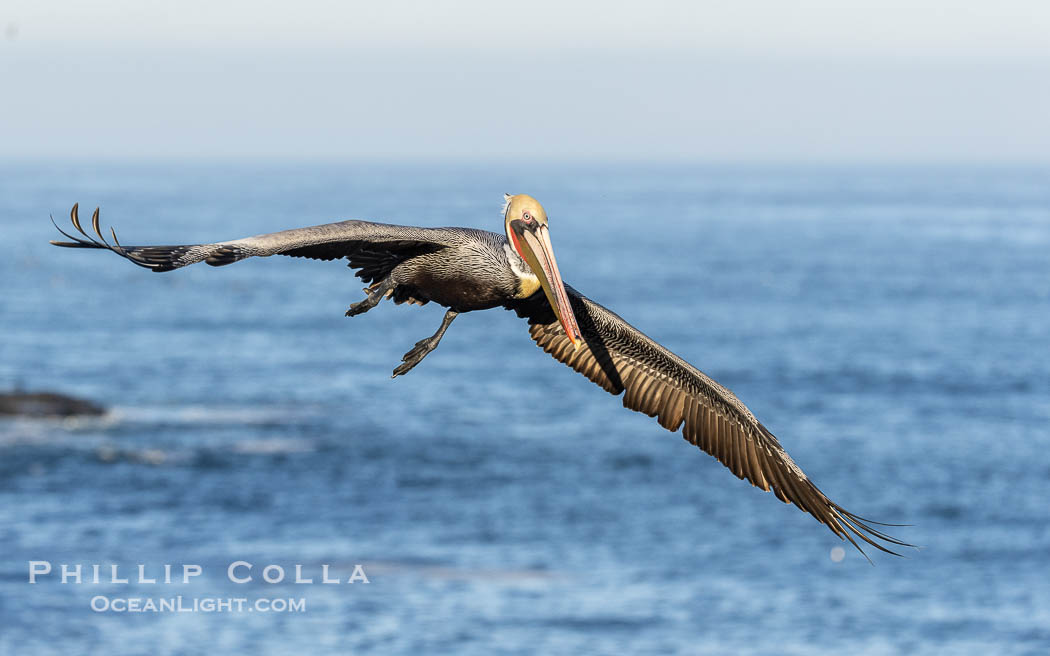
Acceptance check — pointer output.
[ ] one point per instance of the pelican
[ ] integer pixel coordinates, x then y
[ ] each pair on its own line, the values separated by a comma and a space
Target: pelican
464, 269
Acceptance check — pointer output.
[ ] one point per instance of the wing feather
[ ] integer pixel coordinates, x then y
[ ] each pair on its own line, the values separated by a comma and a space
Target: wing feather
656, 382
373, 248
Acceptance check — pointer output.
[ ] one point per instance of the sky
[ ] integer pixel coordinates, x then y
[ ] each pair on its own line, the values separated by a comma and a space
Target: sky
750, 81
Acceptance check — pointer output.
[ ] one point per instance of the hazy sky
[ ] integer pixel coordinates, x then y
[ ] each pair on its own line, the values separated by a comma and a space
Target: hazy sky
746, 80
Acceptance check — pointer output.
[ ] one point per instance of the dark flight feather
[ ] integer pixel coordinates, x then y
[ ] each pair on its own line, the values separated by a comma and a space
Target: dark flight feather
621, 359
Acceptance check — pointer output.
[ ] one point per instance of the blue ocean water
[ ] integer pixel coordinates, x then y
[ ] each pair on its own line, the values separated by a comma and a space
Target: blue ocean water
889, 324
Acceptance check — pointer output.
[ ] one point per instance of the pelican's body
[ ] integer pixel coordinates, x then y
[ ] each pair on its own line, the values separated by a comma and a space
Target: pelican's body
471, 270
465, 269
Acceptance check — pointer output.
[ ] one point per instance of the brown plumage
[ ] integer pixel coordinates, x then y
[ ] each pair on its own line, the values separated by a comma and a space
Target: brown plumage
466, 269
622, 360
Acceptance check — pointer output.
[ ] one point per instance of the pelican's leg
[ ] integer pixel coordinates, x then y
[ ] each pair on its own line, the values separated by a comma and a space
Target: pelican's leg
424, 346
376, 292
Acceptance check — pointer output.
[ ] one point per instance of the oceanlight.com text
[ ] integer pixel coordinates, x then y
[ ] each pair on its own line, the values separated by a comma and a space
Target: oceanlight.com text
180, 604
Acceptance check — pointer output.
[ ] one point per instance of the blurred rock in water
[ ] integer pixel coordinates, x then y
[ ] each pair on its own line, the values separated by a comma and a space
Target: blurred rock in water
46, 404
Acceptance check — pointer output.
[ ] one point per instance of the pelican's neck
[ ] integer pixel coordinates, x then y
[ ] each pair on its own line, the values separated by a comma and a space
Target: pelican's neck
528, 283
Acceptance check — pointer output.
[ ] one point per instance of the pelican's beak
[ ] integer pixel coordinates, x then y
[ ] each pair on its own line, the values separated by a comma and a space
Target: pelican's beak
539, 254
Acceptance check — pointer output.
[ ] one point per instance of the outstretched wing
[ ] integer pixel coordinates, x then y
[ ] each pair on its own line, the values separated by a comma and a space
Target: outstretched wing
621, 359
373, 248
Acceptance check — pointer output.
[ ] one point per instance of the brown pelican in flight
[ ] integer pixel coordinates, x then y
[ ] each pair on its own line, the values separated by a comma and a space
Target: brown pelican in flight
465, 269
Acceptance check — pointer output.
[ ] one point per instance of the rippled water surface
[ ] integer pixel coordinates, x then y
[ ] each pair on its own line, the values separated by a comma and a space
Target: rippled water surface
889, 325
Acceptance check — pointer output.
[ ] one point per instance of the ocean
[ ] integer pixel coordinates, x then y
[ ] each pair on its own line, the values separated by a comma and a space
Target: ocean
888, 323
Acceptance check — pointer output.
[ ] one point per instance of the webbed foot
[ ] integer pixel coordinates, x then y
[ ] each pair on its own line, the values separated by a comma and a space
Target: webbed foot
376, 292
424, 346
409, 360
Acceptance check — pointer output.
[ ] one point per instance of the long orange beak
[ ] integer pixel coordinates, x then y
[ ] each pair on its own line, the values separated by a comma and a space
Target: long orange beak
539, 254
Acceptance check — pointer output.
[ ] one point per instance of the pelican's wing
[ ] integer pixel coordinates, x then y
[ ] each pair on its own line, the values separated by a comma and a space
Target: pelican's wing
374, 248
621, 359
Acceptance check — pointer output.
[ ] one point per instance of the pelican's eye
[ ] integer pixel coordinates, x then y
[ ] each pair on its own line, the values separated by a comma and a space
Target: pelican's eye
527, 217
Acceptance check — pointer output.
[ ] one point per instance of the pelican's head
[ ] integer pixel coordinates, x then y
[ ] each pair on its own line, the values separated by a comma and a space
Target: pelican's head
526, 224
